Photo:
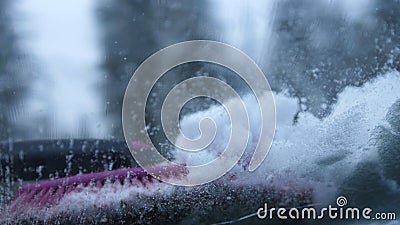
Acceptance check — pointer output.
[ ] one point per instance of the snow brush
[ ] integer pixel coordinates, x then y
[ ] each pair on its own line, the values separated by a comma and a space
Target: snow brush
48, 193
119, 192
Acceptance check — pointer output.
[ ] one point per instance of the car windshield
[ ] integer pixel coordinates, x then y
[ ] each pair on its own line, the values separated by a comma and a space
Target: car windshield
332, 67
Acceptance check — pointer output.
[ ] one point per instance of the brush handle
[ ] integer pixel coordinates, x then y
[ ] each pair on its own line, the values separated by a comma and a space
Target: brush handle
43, 159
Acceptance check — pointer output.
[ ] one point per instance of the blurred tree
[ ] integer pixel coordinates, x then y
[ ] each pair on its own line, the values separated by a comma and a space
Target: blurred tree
133, 30
11, 71
320, 48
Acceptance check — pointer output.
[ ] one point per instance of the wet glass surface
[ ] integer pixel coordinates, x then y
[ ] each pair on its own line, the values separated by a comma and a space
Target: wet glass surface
332, 64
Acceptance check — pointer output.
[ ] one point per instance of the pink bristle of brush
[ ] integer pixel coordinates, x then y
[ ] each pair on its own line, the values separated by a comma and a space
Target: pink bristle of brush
48, 193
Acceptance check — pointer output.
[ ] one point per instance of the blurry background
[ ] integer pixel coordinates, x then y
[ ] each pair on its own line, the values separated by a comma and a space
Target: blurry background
64, 66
